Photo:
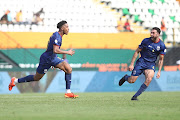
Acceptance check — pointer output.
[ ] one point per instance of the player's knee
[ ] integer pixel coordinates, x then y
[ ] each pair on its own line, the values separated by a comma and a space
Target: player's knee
148, 80
69, 70
131, 80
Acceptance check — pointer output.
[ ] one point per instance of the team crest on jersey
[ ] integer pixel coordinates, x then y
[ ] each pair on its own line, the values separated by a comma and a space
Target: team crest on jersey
45, 70
158, 48
134, 72
56, 41
150, 46
153, 50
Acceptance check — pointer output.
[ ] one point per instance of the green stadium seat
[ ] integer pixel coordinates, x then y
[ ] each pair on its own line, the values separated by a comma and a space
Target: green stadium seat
151, 1
125, 11
133, 1
136, 18
172, 18
151, 11
163, 1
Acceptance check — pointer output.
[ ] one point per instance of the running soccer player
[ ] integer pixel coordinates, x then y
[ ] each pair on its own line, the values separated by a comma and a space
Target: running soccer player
49, 58
150, 49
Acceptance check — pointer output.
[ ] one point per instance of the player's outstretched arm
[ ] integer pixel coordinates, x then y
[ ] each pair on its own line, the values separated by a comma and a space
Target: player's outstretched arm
131, 66
59, 51
161, 59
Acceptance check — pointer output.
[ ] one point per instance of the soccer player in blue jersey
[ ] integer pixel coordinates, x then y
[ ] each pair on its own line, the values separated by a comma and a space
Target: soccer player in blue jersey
49, 58
150, 49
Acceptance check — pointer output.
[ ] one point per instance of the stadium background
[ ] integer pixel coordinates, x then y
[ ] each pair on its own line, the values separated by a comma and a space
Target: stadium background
102, 52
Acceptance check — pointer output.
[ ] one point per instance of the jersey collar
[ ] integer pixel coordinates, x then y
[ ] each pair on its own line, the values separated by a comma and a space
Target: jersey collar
153, 41
60, 34
157, 41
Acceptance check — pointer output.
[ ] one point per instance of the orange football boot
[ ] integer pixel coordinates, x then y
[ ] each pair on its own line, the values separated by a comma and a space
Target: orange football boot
70, 95
11, 84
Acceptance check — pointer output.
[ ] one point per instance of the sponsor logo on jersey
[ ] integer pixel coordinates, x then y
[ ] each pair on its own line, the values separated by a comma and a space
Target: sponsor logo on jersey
45, 70
150, 46
56, 41
158, 48
134, 72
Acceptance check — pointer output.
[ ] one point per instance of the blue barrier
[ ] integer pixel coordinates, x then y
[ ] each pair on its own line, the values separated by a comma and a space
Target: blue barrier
4, 82
108, 82
93, 81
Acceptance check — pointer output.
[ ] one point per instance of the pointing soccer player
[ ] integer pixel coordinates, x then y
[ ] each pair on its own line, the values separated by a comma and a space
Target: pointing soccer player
49, 58
150, 49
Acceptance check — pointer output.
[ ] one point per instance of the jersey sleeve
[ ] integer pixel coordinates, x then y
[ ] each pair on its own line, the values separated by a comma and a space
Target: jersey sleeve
56, 41
163, 50
142, 45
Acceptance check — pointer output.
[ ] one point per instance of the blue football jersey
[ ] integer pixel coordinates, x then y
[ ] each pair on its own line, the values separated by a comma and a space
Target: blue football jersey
49, 58
150, 50
55, 39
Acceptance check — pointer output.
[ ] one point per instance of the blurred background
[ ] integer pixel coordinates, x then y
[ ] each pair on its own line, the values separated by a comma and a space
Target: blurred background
104, 34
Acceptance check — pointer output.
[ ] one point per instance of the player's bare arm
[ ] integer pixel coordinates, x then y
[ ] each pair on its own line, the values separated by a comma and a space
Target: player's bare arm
161, 59
59, 51
131, 66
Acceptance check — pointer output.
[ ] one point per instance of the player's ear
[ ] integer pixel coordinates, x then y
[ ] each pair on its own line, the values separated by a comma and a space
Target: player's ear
62, 28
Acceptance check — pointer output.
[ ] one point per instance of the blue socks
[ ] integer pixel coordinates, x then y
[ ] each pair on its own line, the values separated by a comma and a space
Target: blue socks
68, 80
126, 77
28, 78
141, 89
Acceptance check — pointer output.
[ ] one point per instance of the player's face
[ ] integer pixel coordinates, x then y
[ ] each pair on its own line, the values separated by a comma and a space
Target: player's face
65, 29
154, 35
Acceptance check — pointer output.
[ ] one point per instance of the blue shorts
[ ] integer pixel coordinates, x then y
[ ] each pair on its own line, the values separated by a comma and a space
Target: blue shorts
46, 62
142, 65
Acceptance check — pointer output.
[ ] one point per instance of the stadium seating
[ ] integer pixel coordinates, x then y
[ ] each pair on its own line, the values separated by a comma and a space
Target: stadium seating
92, 24
150, 13
95, 16
82, 15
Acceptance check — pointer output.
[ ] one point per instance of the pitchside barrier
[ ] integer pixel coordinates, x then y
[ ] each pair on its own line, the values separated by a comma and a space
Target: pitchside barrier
88, 81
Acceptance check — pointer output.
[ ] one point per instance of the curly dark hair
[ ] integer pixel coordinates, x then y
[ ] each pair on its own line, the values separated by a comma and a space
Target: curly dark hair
61, 23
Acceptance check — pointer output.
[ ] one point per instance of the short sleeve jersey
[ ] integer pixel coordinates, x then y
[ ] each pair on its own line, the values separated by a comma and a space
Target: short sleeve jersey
150, 50
55, 39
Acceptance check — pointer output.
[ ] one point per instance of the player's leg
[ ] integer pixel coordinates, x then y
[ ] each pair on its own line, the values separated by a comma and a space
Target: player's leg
68, 70
41, 70
28, 78
149, 74
129, 79
134, 75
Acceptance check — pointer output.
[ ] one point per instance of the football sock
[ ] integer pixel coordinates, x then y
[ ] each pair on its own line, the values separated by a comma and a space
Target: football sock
28, 78
126, 77
68, 80
16, 81
68, 91
141, 89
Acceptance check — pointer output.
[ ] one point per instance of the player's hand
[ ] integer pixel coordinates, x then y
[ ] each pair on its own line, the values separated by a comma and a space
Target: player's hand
131, 67
158, 75
71, 52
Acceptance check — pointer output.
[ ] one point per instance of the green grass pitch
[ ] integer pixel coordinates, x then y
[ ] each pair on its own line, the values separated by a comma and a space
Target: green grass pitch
91, 106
